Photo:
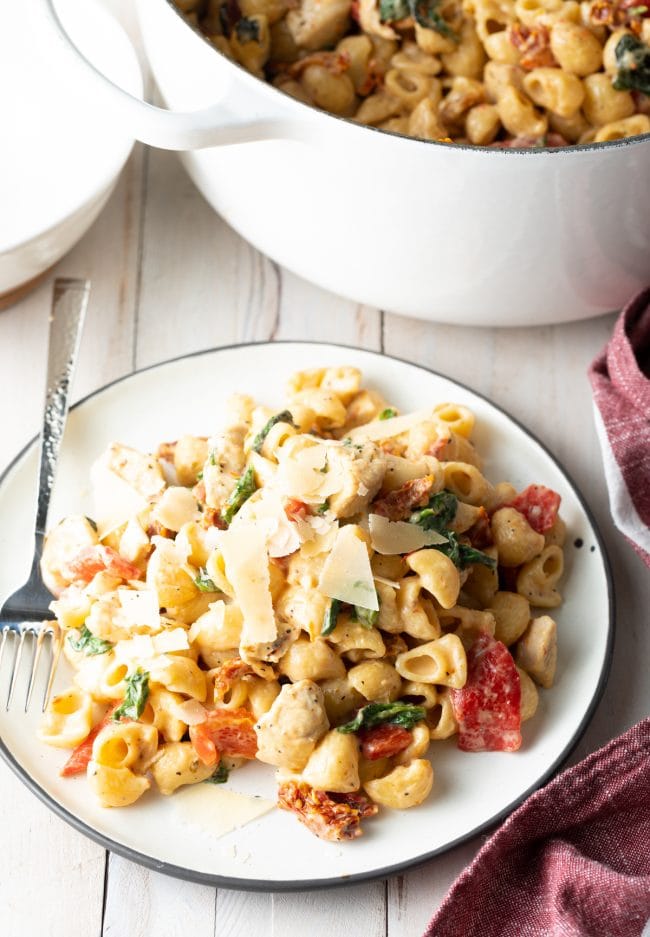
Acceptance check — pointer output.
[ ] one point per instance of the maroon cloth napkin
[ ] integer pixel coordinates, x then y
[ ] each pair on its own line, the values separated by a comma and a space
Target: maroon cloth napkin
572, 861
620, 378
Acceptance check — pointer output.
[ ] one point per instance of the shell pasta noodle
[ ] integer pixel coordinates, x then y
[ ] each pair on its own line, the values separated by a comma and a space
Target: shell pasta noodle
330, 587
502, 73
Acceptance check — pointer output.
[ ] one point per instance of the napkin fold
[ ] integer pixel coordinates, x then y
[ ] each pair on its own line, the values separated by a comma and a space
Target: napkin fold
620, 378
572, 861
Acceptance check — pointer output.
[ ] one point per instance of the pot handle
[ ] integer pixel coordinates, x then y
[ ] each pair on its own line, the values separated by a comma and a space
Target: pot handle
168, 130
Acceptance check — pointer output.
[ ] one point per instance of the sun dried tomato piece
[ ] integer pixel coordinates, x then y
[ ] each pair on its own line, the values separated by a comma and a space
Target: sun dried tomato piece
398, 504
81, 755
97, 559
225, 732
227, 674
539, 505
384, 741
330, 816
488, 707
534, 43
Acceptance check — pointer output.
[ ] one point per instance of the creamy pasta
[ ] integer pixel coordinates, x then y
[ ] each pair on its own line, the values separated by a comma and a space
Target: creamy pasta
502, 73
331, 588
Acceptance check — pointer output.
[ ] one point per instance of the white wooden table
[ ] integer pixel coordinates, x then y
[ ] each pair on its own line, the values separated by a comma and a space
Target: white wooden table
169, 277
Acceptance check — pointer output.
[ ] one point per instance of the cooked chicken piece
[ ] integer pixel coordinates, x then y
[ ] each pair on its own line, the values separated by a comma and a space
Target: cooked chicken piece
537, 650
360, 469
224, 465
287, 734
139, 470
319, 23
62, 545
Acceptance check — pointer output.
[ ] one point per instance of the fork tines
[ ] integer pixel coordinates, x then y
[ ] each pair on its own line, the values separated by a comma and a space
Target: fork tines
16, 635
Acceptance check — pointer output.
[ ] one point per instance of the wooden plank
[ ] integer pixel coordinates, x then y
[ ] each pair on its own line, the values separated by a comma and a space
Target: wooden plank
357, 910
45, 849
140, 903
415, 895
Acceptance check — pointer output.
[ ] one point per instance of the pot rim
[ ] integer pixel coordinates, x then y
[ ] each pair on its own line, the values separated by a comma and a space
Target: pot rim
315, 112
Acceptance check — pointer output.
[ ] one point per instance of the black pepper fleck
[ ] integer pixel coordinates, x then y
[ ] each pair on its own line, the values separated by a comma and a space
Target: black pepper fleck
578, 542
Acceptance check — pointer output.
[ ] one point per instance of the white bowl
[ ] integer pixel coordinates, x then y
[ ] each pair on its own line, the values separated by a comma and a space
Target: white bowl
60, 158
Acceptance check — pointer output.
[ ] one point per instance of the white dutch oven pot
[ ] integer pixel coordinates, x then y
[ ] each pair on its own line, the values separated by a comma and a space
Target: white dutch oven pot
449, 233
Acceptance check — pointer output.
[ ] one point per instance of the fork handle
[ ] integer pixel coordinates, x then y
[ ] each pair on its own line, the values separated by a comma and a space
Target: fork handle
69, 304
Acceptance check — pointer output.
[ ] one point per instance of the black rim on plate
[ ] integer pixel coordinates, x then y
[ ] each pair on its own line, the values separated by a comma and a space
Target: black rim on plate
224, 881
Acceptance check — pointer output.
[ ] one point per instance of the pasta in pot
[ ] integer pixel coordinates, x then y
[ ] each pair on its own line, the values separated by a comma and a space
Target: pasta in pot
515, 73
337, 587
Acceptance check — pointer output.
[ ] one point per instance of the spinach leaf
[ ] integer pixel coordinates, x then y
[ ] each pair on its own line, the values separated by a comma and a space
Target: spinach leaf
331, 616
135, 698
424, 12
367, 617
438, 514
322, 508
462, 555
203, 582
387, 414
247, 30
88, 643
220, 775
375, 714
390, 10
633, 60
242, 491
284, 417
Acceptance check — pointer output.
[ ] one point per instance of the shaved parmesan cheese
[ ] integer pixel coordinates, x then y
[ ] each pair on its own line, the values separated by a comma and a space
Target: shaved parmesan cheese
176, 507
170, 640
139, 608
388, 582
391, 538
346, 574
217, 811
115, 501
385, 429
307, 475
266, 510
243, 547
139, 647
190, 711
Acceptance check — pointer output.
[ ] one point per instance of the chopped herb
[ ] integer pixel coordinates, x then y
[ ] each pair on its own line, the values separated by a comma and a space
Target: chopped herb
366, 616
462, 555
247, 30
135, 698
438, 514
376, 714
92, 523
212, 458
387, 414
241, 493
284, 417
199, 477
638, 10
326, 466
323, 507
203, 582
391, 10
424, 12
633, 60
220, 775
88, 643
331, 616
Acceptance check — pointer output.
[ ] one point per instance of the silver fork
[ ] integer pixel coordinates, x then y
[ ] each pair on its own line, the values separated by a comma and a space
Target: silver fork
25, 613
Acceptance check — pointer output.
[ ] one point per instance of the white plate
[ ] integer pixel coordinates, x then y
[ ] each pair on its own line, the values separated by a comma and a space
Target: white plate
471, 791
